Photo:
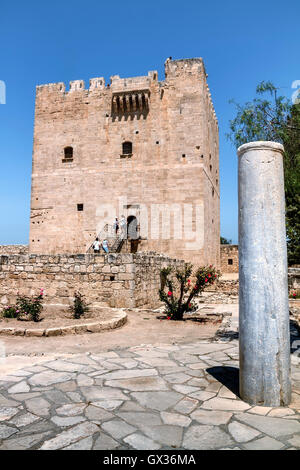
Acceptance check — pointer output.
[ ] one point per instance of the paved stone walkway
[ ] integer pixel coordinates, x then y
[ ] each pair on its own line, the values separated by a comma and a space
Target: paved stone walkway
147, 397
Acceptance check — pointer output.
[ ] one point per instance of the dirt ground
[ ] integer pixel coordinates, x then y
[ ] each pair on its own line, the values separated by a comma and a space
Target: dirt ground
142, 327
58, 318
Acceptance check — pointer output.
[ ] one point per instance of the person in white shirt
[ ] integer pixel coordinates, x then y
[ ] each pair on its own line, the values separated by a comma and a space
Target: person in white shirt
105, 246
96, 246
116, 226
123, 227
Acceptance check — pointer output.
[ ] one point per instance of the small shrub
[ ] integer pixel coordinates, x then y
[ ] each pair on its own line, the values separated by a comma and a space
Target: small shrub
179, 295
80, 307
10, 311
294, 295
30, 307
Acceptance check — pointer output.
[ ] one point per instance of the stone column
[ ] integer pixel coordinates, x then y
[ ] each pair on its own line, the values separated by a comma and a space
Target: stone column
263, 281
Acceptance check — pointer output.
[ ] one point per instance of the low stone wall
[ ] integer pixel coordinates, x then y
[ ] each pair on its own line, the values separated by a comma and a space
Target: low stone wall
223, 292
119, 319
13, 249
114, 280
227, 290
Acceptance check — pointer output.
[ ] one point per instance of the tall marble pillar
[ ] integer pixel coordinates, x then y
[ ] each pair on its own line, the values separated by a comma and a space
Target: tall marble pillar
263, 282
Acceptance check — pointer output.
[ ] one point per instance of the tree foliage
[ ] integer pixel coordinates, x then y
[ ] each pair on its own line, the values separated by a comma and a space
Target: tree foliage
274, 118
181, 290
225, 241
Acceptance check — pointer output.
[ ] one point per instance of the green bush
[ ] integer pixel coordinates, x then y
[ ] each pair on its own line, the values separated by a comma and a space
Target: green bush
80, 307
179, 295
10, 312
30, 307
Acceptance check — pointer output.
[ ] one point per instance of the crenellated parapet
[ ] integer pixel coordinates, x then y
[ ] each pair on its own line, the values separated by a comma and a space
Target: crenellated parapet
132, 94
51, 87
133, 83
97, 83
176, 68
116, 85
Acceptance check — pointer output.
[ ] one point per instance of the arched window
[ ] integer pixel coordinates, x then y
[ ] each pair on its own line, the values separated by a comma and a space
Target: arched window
127, 148
68, 154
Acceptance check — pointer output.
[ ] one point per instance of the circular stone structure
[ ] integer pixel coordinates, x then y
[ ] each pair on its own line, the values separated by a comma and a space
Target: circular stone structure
118, 319
263, 276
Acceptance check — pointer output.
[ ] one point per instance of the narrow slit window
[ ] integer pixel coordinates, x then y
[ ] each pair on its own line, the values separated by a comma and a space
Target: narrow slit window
80, 207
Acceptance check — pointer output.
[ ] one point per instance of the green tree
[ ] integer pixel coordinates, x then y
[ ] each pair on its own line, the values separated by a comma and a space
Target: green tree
272, 117
181, 290
225, 241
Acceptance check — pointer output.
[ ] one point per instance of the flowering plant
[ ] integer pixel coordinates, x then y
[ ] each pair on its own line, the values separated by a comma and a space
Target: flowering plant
294, 295
180, 294
28, 308
10, 311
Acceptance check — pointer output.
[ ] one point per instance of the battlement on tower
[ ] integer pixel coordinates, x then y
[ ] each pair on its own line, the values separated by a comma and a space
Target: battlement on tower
174, 70
117, 84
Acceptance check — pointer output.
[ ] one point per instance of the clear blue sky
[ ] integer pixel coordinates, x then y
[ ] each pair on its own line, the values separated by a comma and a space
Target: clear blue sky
241, 43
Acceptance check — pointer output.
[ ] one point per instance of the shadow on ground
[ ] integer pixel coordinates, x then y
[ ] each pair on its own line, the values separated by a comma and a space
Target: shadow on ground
213, 319
228, 376
294, 337
228, 335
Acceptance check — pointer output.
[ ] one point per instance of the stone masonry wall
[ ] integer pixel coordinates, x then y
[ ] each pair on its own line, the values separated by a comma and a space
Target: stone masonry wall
115, 280
229, 259
13, 249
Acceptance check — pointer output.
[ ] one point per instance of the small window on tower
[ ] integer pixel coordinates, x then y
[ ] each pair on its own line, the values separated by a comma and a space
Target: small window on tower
80, 207
68, 154
127, 148
230, 261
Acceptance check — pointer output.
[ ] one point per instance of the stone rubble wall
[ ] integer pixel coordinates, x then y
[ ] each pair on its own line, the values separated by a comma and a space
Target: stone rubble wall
226, 291
13, 249
114, 280
223, 292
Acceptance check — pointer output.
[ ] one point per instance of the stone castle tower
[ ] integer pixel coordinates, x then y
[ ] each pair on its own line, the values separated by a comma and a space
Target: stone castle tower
138, 147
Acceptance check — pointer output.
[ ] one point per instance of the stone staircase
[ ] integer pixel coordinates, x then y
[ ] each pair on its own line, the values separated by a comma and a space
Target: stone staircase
115, 242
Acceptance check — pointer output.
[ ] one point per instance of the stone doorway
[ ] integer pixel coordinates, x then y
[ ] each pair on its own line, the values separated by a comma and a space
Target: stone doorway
133, 233
132, 228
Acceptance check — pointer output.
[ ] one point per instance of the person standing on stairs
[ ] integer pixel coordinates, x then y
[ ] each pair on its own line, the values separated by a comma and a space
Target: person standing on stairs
96, 246
116, 226
105, 246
